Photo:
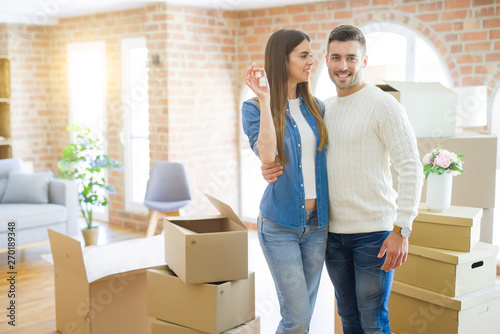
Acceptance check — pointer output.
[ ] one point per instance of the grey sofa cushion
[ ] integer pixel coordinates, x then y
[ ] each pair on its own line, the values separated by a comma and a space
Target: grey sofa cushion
6, 166
31, 215
28, 188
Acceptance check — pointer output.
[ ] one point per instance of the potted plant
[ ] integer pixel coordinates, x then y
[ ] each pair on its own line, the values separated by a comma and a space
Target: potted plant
440, 166
84, 161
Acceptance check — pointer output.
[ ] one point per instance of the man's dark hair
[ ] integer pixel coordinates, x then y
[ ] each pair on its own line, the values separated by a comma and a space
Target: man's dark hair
345, 33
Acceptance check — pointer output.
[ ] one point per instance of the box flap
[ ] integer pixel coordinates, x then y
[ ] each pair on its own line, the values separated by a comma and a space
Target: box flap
455, 303
456, 215
100, 261
420, 87
386, 88
67, 254
480, 251
225, 210
180, 228
124, 256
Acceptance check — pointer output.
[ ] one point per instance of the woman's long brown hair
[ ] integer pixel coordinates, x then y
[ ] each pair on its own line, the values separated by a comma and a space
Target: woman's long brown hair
278, 49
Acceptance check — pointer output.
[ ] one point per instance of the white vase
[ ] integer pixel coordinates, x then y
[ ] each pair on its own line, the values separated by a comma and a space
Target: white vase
438, 197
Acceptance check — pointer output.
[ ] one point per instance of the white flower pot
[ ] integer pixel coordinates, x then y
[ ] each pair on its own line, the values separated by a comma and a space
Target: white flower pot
438, 197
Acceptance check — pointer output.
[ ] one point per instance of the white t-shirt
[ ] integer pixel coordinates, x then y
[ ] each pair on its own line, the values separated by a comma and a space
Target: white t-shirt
308, 147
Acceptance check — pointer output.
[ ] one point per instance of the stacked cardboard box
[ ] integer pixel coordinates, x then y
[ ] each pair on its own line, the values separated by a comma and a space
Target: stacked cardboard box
447, 284
206, 286
431, 107
102, 289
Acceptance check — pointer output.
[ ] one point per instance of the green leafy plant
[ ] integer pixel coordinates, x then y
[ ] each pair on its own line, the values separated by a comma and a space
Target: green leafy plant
84, 161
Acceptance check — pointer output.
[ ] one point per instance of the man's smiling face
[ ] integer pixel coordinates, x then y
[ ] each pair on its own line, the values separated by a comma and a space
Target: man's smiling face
345, 62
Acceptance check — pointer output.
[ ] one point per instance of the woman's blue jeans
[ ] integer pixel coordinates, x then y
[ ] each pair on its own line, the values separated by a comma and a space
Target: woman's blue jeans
295, 258
361, 287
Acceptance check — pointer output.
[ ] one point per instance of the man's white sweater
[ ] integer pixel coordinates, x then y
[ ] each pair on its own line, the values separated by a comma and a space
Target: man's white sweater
365, 130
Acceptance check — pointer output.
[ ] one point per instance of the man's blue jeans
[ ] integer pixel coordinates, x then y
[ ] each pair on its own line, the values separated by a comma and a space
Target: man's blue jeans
361, 287
295, 258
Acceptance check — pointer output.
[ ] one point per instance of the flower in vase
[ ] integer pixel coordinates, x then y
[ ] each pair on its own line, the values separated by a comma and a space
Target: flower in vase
440, 160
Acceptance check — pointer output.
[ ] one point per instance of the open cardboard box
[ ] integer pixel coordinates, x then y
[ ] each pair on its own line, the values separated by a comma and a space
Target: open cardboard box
163, 327
457, 229
210, 307
416, 310
102, 289
431, 107
450, 273
207, 249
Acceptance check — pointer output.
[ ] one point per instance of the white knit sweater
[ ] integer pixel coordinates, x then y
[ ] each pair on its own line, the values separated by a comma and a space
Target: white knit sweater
365, 129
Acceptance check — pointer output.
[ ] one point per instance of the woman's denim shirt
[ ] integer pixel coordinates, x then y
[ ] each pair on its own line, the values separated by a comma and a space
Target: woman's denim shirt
283, 202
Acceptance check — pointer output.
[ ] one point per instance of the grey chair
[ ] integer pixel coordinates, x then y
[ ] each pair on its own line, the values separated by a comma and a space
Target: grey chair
166, 193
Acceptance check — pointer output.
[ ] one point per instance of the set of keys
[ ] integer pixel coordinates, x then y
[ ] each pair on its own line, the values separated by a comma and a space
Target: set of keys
262, 79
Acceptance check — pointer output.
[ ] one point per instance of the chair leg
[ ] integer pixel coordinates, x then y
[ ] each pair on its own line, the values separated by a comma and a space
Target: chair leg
153, 221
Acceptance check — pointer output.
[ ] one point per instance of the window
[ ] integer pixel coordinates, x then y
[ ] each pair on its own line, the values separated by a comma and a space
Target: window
136, 122
394, 53
495, 130
87, 91
398, 53
252, 184
495, 122
387, 58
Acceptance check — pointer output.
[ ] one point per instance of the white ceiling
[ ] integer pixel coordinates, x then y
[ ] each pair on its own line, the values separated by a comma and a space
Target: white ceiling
42, 12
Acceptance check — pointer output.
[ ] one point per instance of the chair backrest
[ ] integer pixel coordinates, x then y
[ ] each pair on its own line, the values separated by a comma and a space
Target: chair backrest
167, 182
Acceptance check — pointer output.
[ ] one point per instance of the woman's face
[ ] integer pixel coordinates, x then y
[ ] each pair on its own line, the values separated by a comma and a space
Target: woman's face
300, 63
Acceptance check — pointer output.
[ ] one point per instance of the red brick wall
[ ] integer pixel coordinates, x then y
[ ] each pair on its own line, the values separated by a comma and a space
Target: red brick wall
28, 50
202, 117
465, 32
195, 89
192, 117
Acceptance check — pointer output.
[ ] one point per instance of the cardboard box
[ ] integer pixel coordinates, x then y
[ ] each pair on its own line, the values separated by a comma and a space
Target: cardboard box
413, 310
450, 273
476, 186
4, 78
457, 229
163, 327
431, 107
472, 106
487, 222
207, 249
211, 307
102, 289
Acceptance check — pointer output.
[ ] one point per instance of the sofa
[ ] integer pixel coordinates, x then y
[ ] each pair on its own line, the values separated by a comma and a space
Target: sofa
30, 203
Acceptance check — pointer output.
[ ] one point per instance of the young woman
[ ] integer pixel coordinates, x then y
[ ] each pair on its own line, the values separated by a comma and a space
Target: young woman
285, 124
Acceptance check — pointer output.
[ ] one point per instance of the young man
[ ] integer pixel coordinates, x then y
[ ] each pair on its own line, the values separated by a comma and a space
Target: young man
369, 222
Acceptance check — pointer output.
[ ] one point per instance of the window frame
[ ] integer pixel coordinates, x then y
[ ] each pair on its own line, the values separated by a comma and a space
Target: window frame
129, 204
410, 36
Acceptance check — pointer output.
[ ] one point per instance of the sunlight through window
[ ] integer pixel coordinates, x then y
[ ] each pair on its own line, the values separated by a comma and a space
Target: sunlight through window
136, 122
87, 92
252, 183
394, 53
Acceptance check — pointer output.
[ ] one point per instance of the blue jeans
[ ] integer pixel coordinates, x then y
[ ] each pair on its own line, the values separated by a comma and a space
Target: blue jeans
361, 287
295, 257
